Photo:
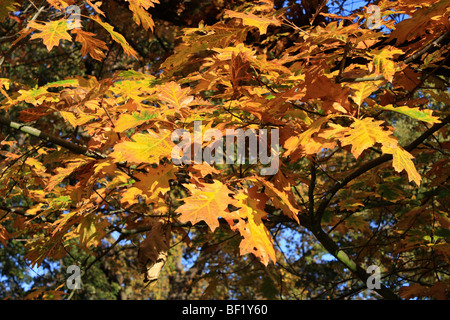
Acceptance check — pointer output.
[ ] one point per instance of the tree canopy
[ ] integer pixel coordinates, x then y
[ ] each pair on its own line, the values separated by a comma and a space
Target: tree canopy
314, 137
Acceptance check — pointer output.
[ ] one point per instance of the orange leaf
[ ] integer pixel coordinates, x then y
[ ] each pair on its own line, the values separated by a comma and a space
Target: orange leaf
174, 95
90, 45
207, 203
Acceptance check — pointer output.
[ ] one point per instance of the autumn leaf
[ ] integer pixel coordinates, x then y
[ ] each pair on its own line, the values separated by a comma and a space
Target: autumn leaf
256, 238
154, 251
130, 196
140, 14
117, 37
60, 4
175, 96
402, 161
362, 90
145, 148
207, 203
424, 19
6, 6
294, 142
90, 45
91, 230
425, 115
156, 180
364, 134
383, 63
4, 235
250, 19
51, 32
280, 199
64, 172
128, 121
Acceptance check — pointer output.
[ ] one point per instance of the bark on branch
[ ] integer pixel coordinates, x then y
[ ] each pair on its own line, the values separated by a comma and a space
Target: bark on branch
75, 148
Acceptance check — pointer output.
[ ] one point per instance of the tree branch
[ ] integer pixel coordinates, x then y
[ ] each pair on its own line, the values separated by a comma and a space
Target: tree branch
342, 257
75, 148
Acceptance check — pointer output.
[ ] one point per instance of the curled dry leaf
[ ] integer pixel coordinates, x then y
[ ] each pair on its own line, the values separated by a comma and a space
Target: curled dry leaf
154, 250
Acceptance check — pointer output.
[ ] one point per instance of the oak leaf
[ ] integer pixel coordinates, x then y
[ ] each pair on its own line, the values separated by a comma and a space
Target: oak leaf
364, 134
383, 63
175, 96
256, 237
51, 32
207, 203
249, 19
425, 115
145, 148
117, 37
154, 250
402, 161
90, 45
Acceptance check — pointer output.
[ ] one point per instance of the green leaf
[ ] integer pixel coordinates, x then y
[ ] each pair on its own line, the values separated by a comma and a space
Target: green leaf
414, 113
127, 121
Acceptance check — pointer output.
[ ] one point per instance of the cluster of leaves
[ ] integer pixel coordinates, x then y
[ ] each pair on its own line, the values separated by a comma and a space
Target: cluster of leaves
88, 156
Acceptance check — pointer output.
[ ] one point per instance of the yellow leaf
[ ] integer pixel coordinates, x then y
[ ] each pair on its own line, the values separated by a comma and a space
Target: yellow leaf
130, 196
140, 15
117, 37
91, 230
415, 113
128, 121
256, 238
383, 63
280, 199
361, 90
402, 161
294, 142
249, 19
156, 180
51, 32
145, 148
364, 134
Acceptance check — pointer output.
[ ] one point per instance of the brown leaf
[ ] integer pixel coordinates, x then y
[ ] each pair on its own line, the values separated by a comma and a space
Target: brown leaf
154, 250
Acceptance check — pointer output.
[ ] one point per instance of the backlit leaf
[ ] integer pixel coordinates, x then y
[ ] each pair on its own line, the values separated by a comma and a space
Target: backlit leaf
402, 161
145, 148
94, 47
51, 32
207, 203
415, 113
364, 134
256, 238
249, 19
117, 37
